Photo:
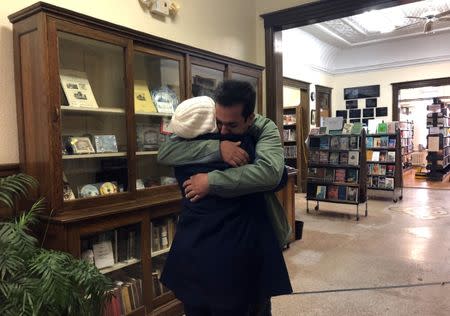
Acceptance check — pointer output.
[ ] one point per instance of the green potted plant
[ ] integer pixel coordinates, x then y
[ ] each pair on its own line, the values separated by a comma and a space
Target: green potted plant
37, 281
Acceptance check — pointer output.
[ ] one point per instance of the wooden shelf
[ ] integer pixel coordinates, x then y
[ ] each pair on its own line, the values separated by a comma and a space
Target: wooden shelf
160, 252
119, 265
90, 156
154, 114
146, 153
84, 110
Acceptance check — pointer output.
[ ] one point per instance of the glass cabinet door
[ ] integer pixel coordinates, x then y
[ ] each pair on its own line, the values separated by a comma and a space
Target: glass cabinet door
255, 82
93, 121
205, 76
117, 254
157, 92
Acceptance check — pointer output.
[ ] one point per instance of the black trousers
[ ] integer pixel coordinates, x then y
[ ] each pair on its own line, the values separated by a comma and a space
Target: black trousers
262, 309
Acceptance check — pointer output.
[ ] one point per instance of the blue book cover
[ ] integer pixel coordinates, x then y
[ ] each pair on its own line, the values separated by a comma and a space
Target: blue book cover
369, 142
324, 143
342, 193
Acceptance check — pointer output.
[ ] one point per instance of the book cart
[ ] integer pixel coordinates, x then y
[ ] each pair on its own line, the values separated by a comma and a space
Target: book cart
384, 162
337, 168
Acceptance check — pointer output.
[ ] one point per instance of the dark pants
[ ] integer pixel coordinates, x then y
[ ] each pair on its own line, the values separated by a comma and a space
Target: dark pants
263, 309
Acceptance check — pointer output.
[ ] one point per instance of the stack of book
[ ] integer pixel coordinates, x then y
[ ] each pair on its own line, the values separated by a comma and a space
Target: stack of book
163, 232
127, 297
290, 152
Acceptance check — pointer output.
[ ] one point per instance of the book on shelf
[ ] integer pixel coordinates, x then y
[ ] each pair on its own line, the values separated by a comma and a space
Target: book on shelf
352, 175
314, 131
357, 128
390, 170
382, 170
377, 142
321, 192
103, 254
369, 155
339, 175
369, 142
323, 130
312, 172
352, 194
343, 143
143, 101
342, 193
353, 158
334, 143
392, 142
389, 183
333, 192
334, 158
382, 128
376, 156
127, 297
321, 173
289, 119
163, 232
347, 129
384, 141
323, 158
314, 156
343, 158
324, 143
328, 174
77, 88
391, 156
392, 127
383, 155
354, 143
381, 182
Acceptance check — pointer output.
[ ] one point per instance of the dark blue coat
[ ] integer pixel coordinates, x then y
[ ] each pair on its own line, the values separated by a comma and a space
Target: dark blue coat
225, 252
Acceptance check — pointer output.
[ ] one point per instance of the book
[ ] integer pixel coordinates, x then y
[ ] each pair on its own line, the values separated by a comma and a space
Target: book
328, 174
323, 130
376, 142
369, 141
347, 129
381, 182
312, 172
382, 170
343, 158
343, 143
392, 142
354, 142
321, 192
77, 89
390, 170
383, 155
339, 175
324, 143
357, 128
333, 192
334, 143
384, 141
314, 131
369, 182
353, 158
334, 158
369, 154
376, 156
103, 254
323, 157
382, 128
352, 176
392, 127
143, 102
314, 156
352, 194
147, 137
375, 182
375, 169
391, 156
389, 183
342, 193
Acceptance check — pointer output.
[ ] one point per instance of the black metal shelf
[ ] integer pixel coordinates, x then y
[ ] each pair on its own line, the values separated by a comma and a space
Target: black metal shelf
335, 150
379, 135
380, 189
323, 165
382, 162
334, 201
380, 175
321, 182
381, 148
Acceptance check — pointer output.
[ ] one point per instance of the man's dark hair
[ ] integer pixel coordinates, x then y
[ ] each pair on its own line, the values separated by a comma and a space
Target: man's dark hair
235, 92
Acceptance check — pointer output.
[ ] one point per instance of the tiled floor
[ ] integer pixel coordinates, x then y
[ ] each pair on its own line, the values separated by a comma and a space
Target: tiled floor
407, 243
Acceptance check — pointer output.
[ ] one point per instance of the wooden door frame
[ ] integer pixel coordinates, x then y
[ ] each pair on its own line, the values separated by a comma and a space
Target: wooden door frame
396, 87
326, 90
298, 16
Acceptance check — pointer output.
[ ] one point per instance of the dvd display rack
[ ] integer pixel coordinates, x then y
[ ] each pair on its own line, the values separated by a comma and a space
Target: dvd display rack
384, 161
337, 168
407, 143
438, 140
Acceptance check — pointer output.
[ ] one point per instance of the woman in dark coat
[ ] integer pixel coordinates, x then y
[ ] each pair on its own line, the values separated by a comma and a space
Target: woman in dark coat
225, 255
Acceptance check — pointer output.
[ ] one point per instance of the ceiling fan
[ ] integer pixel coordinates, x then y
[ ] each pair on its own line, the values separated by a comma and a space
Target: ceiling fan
428, 19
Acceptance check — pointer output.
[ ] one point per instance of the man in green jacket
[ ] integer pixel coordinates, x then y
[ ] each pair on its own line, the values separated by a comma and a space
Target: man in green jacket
261, 176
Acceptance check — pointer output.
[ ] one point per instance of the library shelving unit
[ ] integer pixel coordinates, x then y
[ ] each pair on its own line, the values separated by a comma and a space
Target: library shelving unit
438, 139
291, 137
407, 143
337, 170
384, 163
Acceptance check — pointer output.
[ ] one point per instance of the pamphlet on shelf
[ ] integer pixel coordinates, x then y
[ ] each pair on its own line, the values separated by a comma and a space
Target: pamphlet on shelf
347, 129
77, 89
103, 254
142, 99
333, 123
433, 143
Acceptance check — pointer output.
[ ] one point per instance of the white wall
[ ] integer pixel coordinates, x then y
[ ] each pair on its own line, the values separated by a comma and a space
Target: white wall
224, 27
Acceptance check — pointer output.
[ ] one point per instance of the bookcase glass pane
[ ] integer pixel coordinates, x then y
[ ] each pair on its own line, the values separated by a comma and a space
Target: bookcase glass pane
93, 122
162, 234
117, 254
157, 73
253, 81
205, 80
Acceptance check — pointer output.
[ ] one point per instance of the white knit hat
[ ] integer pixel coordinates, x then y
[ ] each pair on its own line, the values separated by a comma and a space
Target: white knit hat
194, 117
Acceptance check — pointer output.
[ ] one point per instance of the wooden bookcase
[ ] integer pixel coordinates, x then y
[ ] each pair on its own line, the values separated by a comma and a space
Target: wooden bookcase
48, 39
320, 146
384, 149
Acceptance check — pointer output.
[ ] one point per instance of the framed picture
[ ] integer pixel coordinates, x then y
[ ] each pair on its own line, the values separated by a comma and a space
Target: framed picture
351, 104
313, 117
147, 137
355, 113
105, 143
368, 112
371, 103
342, 114
81, 145
382, 111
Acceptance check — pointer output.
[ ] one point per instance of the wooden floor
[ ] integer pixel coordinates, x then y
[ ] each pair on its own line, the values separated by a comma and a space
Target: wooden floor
409, 181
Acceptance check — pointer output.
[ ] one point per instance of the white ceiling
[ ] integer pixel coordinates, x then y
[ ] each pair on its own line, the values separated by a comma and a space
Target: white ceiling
356, 30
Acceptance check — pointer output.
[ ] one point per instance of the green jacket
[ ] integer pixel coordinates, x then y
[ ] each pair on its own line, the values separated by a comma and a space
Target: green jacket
263, 175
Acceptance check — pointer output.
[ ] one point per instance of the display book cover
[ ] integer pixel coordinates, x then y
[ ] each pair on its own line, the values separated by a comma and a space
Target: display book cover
321, 192
77, 89
143, 102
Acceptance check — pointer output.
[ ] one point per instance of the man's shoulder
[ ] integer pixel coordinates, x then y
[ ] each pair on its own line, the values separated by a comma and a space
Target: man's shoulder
262, 124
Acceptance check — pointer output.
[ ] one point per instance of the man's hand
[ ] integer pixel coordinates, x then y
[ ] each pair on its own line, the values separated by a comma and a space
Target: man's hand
196, 187
232, 154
